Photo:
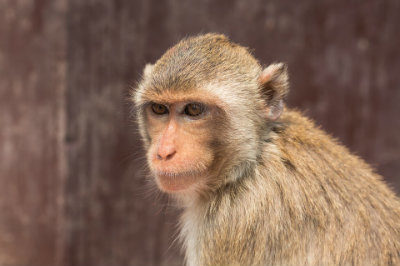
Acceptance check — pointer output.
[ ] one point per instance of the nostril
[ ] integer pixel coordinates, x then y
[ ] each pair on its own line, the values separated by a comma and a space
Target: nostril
169, 156
161, 156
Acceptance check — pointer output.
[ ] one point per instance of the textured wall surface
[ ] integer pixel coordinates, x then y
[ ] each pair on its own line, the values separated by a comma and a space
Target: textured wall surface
32, 125
73, 185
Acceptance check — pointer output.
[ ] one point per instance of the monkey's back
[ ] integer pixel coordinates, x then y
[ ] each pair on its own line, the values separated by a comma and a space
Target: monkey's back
345, 212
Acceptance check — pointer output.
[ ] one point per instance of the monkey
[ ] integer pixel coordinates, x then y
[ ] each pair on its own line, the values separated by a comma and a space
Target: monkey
257, 182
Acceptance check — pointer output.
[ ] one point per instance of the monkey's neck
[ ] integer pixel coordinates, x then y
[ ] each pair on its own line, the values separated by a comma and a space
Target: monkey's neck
241, 217
220, 215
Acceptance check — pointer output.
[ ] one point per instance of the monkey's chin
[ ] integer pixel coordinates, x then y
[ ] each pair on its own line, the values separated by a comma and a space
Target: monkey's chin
172, 182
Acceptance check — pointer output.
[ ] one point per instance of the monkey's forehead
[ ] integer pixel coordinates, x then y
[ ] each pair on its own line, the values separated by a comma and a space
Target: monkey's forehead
188, 76
173, 96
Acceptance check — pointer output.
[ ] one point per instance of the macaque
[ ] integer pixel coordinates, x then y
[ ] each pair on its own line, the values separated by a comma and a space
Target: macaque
258, 183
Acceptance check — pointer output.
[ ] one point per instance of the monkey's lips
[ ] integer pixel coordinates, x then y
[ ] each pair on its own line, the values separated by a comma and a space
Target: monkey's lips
171, 182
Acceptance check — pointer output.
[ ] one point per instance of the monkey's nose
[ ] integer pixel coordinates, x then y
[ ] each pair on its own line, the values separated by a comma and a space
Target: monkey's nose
166, 154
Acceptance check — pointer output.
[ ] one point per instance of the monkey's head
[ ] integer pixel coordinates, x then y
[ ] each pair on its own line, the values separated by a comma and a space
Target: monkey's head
203, 110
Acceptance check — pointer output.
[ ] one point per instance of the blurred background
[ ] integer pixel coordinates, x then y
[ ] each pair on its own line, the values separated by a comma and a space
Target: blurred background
73, 188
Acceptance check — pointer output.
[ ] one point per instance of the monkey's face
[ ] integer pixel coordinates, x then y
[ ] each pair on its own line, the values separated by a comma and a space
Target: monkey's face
181, 145
202, 112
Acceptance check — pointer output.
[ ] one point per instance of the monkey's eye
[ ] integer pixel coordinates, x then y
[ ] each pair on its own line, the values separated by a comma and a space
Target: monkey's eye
194, 109
159, 109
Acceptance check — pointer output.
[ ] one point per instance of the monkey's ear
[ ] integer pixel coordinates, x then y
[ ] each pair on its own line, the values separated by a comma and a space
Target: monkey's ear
274, 87
148, 69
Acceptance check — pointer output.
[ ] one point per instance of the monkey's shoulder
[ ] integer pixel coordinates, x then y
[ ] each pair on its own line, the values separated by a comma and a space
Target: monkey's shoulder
301, 146
296, 132
312, 155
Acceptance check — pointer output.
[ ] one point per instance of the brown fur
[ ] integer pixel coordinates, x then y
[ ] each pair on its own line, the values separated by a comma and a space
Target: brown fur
278, 190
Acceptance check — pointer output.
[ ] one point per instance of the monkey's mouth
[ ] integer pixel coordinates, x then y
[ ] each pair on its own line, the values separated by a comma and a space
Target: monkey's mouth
177, 181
